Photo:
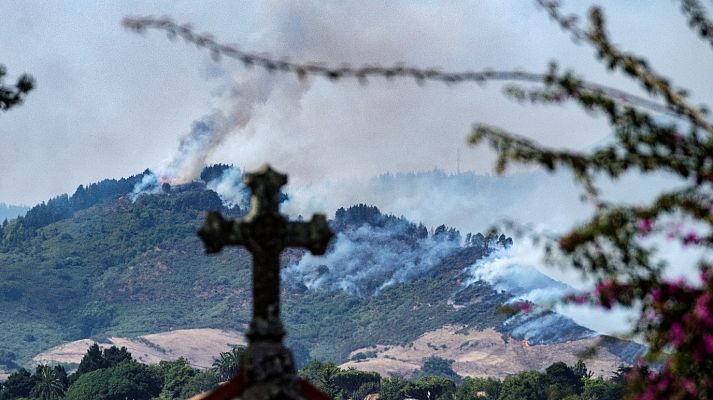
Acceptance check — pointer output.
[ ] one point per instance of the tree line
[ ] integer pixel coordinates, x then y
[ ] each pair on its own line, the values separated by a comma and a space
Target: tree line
113, 374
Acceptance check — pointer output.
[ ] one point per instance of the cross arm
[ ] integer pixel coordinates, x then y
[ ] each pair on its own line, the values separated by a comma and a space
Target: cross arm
217, 232
313, 235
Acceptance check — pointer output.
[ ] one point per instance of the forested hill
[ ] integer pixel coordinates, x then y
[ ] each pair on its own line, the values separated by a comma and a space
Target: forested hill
97, 264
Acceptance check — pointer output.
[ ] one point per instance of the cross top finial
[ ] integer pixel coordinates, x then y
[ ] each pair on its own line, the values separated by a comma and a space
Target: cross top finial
265, 184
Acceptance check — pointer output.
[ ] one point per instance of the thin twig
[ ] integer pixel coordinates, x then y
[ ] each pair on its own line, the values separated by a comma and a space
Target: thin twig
362, 73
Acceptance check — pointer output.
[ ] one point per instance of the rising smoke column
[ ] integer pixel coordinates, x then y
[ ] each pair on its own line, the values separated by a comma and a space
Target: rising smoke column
234, 112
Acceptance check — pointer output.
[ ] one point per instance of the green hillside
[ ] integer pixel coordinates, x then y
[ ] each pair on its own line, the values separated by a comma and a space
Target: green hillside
123, 268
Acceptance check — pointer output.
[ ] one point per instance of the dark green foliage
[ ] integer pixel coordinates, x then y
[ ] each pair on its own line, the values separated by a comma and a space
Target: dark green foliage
437, 366
128, 380
200, 382
362, 214
95, 359
95, 316
228, 362
64, 206
177, 379
528, 385
322, 375
300, 353
114, 356
55, 209
214, 171
601, 389
19, 384
620, 374
175, 376
103, 266
562, 381
366, 389
581, 371
360, 356
473, 388
11, 96
51, 382
192, 200
92, 360
351, 380
429, 388
61, 374
392, 388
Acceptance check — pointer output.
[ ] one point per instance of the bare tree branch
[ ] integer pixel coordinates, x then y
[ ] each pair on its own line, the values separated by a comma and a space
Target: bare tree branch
362, 73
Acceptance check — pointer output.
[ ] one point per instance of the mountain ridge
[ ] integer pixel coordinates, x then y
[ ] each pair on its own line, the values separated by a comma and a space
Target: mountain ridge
123, 268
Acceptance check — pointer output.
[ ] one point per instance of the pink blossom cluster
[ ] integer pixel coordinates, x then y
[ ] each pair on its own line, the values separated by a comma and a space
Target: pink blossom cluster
677, 322
645, 226
607, 292
664, 385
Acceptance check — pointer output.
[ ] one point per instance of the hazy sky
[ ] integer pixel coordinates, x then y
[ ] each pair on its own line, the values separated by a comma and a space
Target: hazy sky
110, 103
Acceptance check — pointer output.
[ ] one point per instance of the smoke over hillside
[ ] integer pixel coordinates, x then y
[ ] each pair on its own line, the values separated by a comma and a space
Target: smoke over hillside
366, 258
516, 275
467, 201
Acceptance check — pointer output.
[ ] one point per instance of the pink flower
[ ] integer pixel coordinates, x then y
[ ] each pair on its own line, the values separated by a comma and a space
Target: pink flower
691, 238
674, 231
702, 309
708, 343
650, 315
605, 291
690, 386
578, 298
676, 334
604, 286
645, 226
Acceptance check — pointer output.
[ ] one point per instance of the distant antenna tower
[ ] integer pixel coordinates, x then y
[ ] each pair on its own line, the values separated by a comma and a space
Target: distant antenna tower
458, 162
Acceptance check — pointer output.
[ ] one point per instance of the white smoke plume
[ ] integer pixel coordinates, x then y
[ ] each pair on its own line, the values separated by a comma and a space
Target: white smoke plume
512, 270
468, 202
365, 260
149, 184
230, 188
234, 112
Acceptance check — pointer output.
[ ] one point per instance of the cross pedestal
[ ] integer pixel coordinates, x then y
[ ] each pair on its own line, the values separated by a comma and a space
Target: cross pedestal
267, 370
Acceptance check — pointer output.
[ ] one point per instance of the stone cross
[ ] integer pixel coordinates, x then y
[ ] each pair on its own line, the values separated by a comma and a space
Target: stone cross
267, 371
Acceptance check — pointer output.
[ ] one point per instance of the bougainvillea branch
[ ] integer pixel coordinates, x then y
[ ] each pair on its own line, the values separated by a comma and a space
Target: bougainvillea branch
632, 65
676, 319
